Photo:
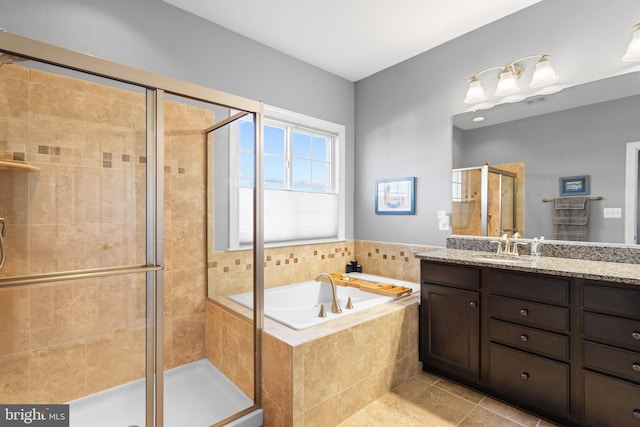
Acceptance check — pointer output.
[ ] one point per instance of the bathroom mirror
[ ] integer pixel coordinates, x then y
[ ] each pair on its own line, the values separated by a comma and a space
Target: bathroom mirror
581, 130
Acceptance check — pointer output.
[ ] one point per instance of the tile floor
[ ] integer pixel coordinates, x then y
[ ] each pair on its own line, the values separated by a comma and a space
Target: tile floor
427, 400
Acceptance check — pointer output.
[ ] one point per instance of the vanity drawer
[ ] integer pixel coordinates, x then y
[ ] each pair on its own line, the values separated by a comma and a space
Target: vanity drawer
531, 378
534, 287
623, 302
610, 402
529, 313
612, 330
451, 275
614, 361
534, 340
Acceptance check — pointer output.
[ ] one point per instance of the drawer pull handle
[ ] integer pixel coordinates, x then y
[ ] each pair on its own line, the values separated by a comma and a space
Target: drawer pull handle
524, 376
524, 312
524, 337
473, 304
635, 335
636, 414
636, 367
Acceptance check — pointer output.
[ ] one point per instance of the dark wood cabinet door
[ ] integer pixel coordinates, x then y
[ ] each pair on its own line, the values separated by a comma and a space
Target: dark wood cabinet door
451, 330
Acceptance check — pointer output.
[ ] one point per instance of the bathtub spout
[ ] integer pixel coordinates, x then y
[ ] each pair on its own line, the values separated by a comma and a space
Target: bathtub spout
335, 306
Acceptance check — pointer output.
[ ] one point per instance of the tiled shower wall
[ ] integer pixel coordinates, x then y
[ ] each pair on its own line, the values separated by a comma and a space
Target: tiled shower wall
85, 208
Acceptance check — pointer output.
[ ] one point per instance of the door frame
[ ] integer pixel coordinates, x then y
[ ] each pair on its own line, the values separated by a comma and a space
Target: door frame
631, 193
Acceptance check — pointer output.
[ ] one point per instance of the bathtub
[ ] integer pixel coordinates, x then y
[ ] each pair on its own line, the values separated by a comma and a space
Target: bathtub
196, 394
296, 305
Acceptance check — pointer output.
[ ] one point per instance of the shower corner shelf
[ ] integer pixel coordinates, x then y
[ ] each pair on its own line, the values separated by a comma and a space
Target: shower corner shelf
17, 166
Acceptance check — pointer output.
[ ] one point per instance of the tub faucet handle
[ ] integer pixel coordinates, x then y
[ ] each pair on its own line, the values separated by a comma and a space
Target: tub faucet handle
349, 304
322, 312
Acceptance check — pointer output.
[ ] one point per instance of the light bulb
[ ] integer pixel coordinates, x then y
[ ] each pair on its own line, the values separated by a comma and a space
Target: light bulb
544, 74
507, 84
633, 51
476, 92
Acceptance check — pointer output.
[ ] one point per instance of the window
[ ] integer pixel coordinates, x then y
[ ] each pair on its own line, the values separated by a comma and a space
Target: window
303, 171
456, 187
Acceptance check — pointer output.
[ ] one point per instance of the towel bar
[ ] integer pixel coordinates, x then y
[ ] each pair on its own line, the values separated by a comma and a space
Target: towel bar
590, 198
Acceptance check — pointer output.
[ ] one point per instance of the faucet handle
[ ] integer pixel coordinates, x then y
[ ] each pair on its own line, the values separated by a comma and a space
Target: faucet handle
516, 235
322, 312
515, 251
349, 303
499, 242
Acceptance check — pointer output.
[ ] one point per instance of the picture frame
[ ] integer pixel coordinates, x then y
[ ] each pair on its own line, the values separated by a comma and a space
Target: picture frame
395, 196
575, 185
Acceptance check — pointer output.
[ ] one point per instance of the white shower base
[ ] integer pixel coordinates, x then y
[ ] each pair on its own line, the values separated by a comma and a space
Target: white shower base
196, 395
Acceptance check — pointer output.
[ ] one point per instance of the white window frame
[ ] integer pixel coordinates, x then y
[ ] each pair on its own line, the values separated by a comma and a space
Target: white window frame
338, 179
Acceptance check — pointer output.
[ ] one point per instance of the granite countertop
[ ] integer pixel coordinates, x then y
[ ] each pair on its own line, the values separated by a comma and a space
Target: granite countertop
594, 270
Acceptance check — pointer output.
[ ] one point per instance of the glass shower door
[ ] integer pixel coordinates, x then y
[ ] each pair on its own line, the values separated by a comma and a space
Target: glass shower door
209, 350
73, 318
483, 201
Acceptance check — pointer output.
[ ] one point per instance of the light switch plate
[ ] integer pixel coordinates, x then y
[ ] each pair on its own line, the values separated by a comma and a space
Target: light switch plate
613, 212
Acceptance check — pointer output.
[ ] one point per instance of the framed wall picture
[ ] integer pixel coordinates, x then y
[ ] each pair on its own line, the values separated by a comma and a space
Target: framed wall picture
396, 196
575, 186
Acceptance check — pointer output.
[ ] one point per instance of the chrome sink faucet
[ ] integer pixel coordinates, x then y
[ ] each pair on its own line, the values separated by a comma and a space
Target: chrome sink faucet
335, 305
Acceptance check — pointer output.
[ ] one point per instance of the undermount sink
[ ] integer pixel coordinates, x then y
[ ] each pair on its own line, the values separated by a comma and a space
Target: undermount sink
503, 258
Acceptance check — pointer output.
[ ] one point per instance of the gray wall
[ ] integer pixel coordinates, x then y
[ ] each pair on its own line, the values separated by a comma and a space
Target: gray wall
155, 36
403, 114
589, 140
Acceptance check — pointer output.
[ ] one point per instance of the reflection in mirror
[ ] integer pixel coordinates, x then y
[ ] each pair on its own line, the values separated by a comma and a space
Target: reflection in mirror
487, 200
583, 130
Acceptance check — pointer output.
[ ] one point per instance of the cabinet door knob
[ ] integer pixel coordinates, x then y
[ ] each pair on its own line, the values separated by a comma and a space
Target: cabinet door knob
524, 376
636, 367
524, 337
635, 335
524, 312
473, 304
636, 414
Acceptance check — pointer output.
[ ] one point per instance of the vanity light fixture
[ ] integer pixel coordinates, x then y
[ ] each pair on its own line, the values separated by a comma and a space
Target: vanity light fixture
633, 51
543, 75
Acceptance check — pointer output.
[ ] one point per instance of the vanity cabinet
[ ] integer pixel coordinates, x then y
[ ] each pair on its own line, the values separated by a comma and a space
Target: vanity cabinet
528, 338
611, 351
565, 348
450, 319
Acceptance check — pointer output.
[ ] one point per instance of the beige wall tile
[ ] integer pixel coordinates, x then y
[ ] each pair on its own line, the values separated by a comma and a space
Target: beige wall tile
277, 377
14, 321
188, 339
57, 374
14, 371
109, 361
188, 289
323, 414
57, 314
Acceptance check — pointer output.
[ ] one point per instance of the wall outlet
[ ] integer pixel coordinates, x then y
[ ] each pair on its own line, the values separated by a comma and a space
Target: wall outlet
613, 212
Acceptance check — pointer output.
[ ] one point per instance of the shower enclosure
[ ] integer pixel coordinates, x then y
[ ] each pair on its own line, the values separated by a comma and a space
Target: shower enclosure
484, 202
103, 254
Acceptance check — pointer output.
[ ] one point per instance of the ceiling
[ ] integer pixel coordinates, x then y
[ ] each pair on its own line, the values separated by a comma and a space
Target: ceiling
352, 38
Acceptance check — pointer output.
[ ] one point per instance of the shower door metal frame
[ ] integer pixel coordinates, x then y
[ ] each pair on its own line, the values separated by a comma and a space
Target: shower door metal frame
484, 194
484, 185
156, 86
